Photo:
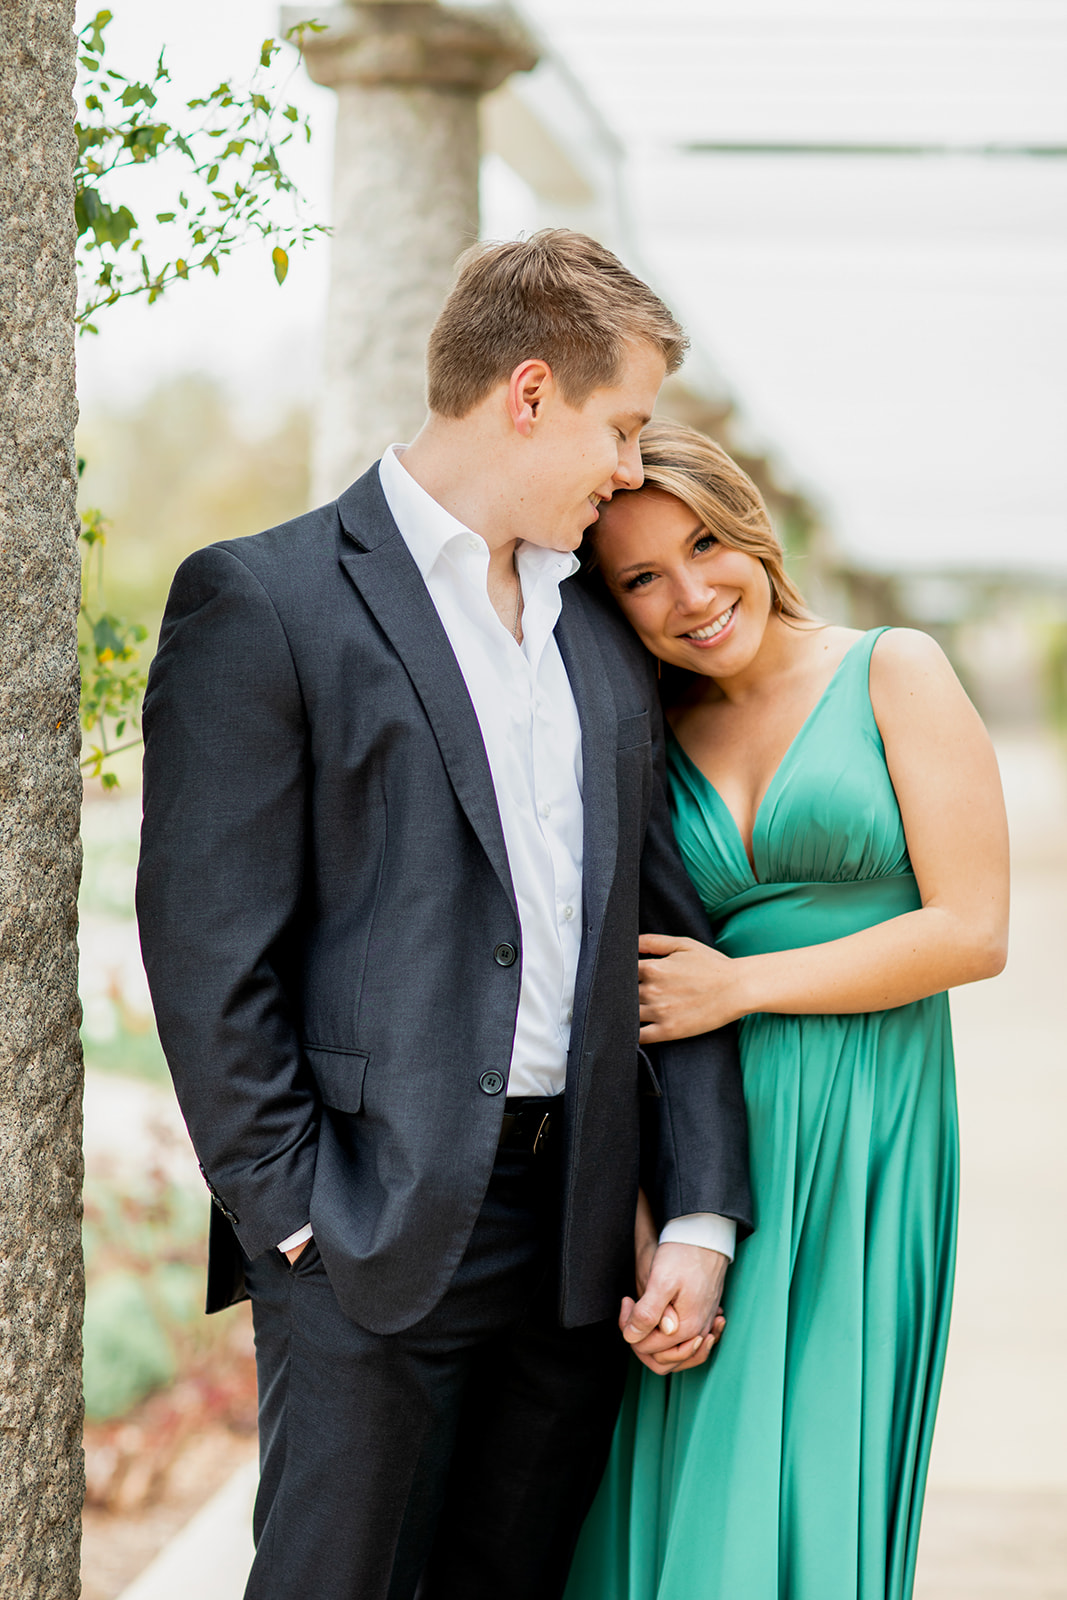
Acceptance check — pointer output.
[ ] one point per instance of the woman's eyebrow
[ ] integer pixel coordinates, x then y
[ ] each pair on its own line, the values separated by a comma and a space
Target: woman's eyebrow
642, 566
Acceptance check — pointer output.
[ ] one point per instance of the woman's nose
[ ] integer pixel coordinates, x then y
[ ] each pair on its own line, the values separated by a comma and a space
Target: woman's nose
692, 593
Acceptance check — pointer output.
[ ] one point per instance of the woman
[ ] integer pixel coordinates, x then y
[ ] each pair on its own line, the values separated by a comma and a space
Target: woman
837, 803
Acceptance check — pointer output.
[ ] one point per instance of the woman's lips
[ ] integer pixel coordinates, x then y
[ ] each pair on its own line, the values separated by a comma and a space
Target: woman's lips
714, 632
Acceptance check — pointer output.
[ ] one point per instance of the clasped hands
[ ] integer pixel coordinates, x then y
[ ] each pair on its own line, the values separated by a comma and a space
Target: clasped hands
678, 1319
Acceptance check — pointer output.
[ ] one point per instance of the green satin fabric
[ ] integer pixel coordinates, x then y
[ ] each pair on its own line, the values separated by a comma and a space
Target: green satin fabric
792, 1467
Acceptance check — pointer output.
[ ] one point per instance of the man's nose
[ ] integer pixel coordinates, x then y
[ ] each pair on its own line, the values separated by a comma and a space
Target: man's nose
630, 472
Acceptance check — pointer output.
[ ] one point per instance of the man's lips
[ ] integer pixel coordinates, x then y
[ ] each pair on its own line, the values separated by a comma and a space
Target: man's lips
712, 630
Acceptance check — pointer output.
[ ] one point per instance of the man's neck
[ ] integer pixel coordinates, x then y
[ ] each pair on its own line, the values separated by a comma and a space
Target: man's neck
454, 462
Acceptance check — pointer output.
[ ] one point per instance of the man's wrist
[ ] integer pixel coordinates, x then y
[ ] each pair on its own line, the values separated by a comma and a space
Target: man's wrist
705, 1228
301, 1236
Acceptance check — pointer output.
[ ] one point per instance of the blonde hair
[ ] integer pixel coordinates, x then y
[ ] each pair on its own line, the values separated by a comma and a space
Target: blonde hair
698, 472
559, 297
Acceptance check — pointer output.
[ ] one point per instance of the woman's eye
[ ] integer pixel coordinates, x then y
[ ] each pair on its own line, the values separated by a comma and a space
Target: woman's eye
639, 581
704, 544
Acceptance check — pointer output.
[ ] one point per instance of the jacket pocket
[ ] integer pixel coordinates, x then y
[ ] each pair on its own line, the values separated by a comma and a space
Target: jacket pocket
634, 731
339, 1076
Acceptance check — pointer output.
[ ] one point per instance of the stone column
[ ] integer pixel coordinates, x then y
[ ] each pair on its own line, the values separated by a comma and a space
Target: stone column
41, 1473
408, 78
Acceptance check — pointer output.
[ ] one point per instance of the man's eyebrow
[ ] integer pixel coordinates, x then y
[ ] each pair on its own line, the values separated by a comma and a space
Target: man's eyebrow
636, 418
642, 566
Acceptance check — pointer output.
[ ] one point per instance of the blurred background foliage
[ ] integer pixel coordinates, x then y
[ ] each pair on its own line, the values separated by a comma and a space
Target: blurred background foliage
176, 472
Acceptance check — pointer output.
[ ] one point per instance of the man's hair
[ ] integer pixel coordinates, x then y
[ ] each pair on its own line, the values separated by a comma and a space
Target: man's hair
558, 297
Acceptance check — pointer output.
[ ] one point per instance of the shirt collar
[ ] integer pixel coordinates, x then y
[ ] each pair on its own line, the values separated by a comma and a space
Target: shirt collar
426, 527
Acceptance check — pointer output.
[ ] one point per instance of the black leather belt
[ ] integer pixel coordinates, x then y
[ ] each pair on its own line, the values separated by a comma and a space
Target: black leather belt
531, 1125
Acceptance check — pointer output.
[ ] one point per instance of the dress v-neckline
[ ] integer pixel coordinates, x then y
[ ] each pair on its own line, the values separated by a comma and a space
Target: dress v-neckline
749, 860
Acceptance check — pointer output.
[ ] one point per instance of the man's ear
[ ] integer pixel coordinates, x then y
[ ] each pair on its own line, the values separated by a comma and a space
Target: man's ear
528, 387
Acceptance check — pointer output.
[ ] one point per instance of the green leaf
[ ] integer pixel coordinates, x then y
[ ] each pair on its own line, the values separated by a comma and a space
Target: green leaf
181, 268
95, 31
106, 641
165, 216
261, 103
299, 29
136, 94
210, 261
213, 172
267, 51
281, 263
291, 113
234, 148
109, 225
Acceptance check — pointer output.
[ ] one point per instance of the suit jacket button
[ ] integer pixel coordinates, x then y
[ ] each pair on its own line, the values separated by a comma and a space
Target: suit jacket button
504, 955
491, 1082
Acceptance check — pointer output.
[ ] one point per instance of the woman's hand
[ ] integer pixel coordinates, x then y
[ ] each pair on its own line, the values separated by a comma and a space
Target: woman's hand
687, 989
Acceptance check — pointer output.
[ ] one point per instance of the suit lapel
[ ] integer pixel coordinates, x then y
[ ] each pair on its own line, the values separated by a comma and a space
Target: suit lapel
383, 570
591, 686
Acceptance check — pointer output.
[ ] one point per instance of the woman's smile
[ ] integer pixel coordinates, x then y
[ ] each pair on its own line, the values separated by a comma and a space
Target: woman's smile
711, 633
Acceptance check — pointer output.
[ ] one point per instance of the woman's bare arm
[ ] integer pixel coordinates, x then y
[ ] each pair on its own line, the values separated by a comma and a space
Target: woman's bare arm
945, 776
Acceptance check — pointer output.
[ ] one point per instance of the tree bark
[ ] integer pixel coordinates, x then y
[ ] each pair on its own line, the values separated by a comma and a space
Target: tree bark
41, 1282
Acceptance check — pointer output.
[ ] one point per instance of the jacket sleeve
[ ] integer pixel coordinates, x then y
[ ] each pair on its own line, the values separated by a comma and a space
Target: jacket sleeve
695, 1132
218, 890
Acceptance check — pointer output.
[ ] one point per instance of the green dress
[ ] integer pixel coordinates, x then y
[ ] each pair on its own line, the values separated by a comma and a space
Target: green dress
792, 1466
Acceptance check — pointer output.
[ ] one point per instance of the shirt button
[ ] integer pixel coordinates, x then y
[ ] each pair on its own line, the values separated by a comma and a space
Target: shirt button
473, 544
504, 955
491, 1082
545, 809
570, 1014
568, 913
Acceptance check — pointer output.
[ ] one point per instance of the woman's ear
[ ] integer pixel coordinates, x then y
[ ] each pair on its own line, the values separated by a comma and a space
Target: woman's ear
528, 387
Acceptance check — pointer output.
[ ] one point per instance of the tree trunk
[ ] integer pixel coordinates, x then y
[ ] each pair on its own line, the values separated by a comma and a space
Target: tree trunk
41, 1283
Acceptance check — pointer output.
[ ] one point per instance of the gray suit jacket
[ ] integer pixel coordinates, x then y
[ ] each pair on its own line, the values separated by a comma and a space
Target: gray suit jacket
326, 915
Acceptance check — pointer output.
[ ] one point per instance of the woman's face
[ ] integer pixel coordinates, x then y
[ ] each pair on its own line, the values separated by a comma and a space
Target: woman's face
692, 601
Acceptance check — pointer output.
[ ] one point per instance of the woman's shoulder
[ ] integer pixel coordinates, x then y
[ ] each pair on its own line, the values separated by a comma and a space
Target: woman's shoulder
907, 667
901, 654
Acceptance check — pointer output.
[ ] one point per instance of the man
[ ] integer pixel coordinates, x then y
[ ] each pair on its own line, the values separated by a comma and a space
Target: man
403, 795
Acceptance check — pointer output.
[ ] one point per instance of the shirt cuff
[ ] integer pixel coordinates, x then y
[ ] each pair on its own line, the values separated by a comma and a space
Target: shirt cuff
301, 1236
704, 1228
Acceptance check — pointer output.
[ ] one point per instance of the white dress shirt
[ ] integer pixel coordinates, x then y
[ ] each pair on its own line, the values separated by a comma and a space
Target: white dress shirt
533, 741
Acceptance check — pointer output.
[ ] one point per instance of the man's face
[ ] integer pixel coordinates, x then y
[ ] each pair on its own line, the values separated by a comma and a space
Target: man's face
581, 454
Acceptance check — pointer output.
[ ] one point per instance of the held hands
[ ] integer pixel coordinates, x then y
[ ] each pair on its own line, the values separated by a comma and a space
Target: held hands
677, 1321
688, 988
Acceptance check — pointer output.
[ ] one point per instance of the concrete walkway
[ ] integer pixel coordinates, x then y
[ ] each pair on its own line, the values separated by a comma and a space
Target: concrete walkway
996, 1516
211, 1556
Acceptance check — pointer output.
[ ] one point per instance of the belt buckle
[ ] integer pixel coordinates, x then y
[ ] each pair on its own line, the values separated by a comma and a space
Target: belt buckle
542, 1131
